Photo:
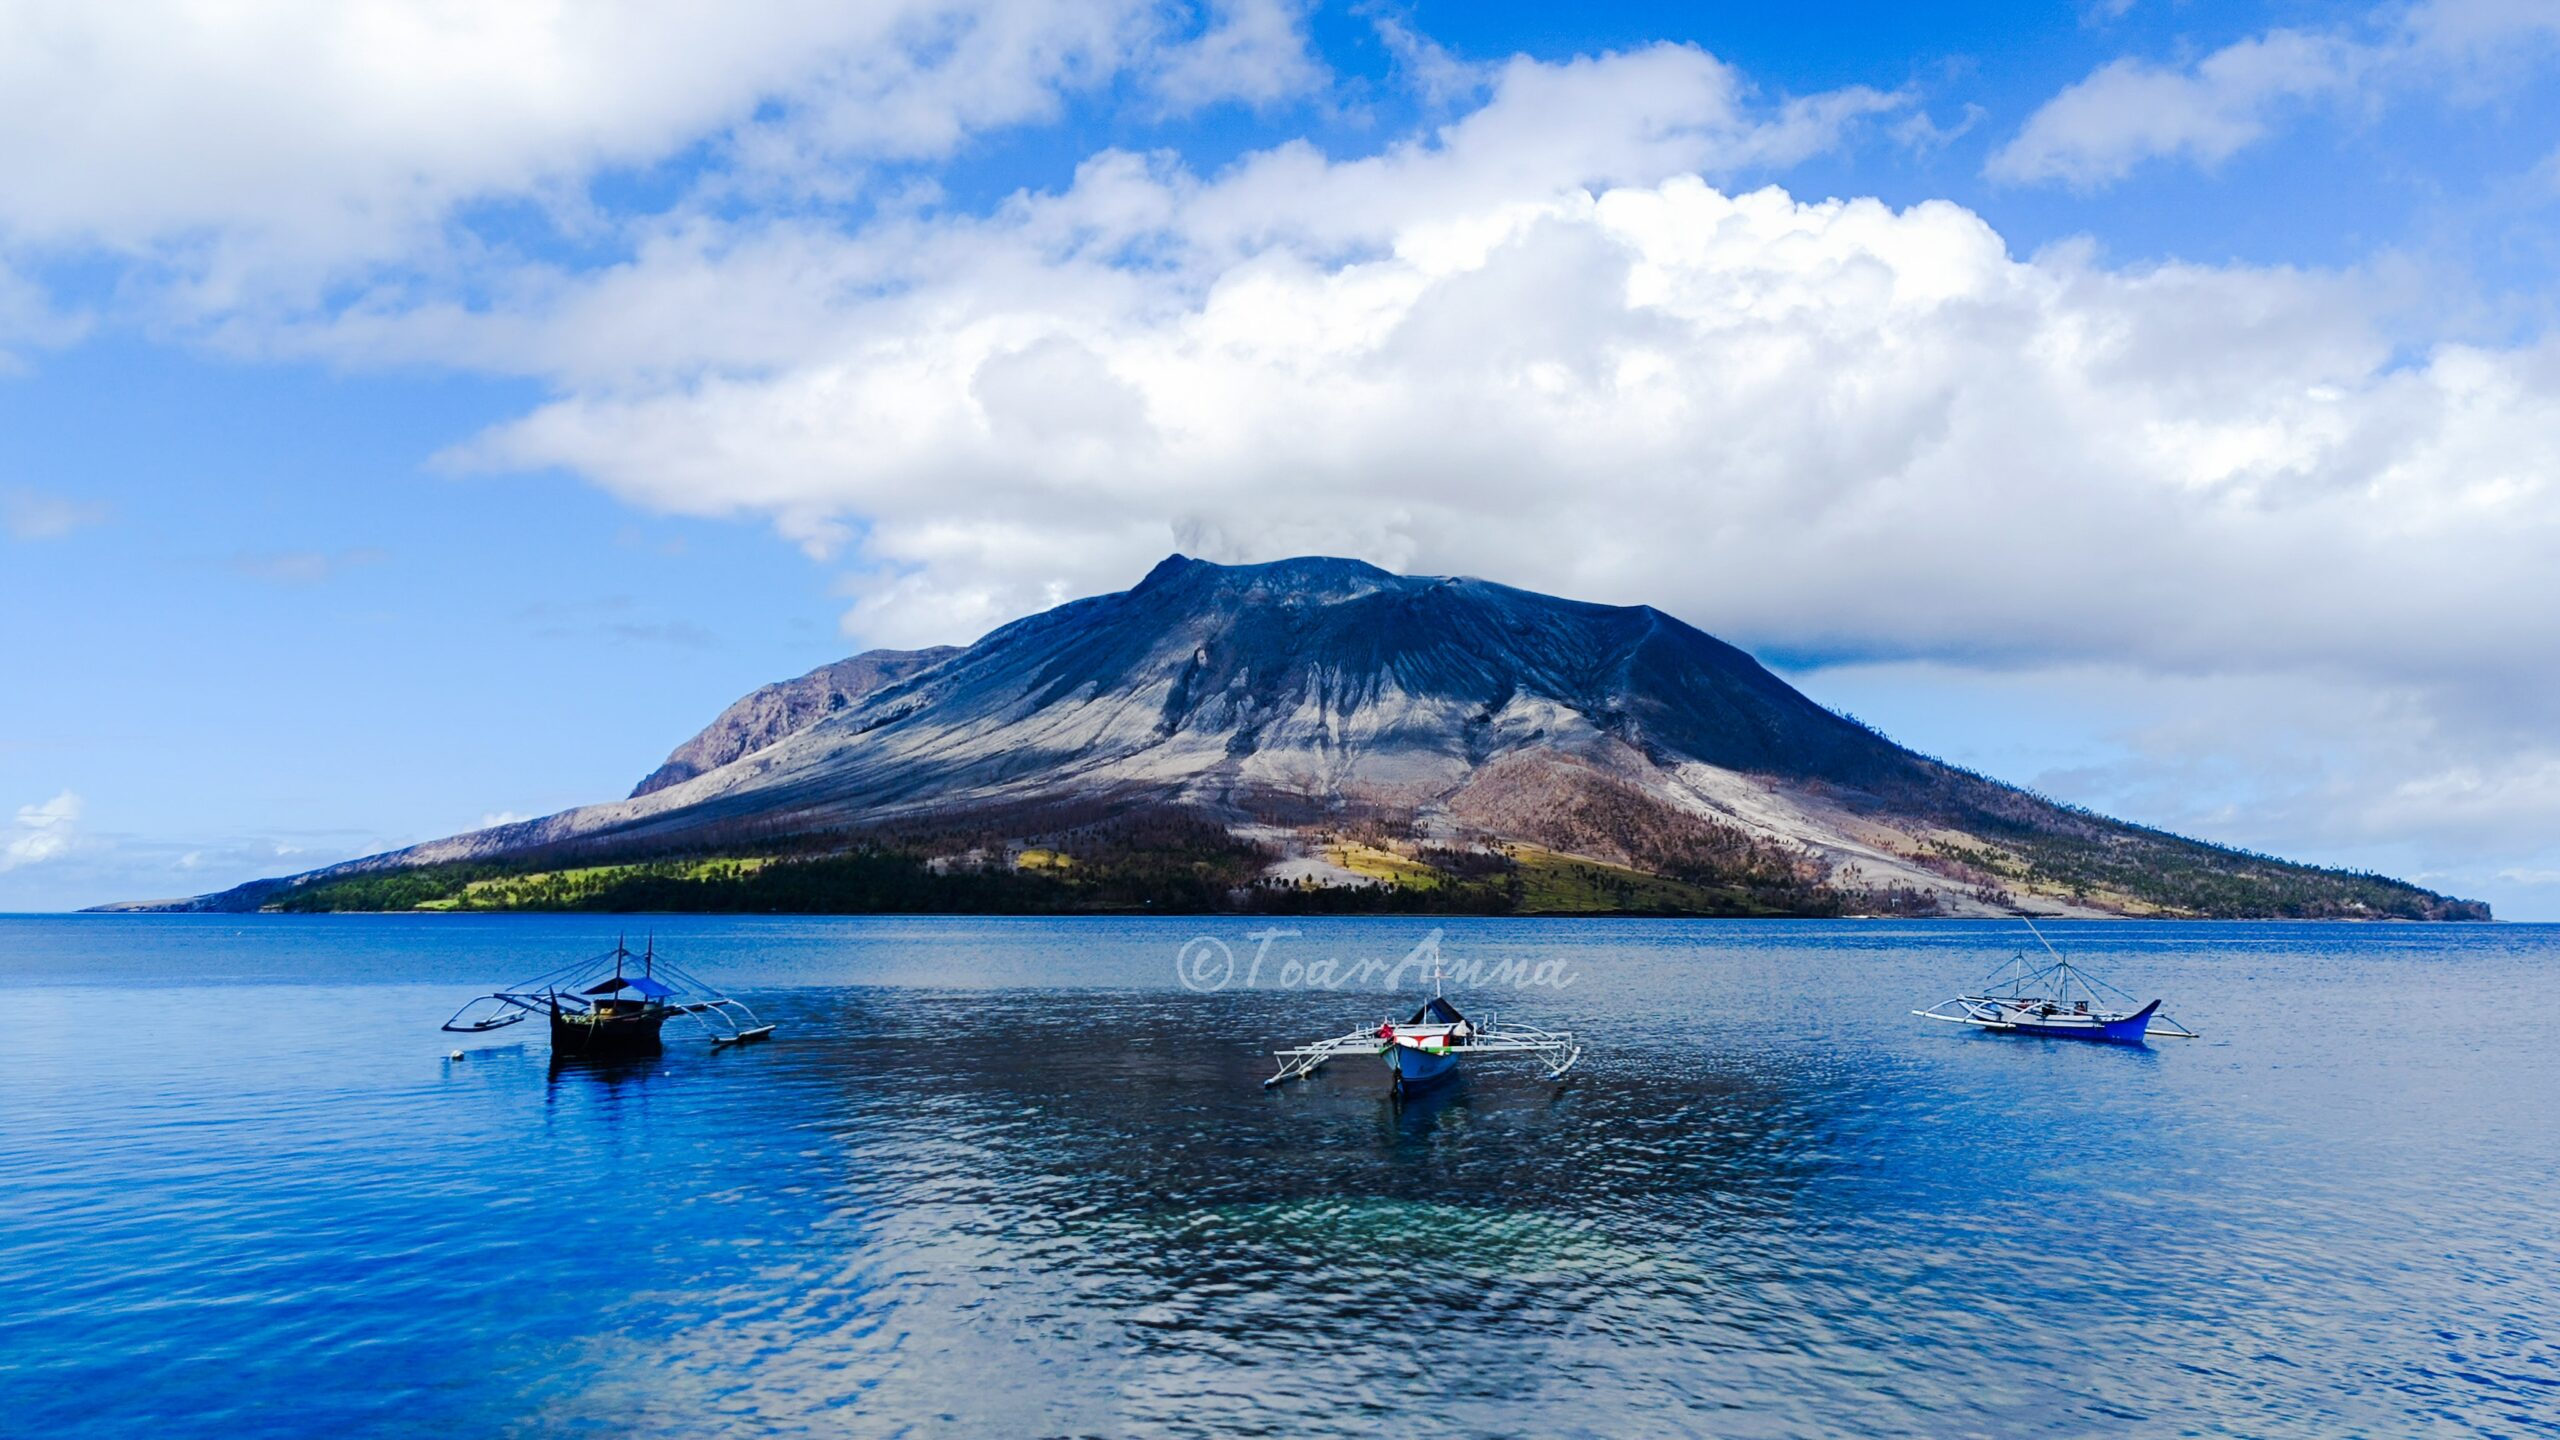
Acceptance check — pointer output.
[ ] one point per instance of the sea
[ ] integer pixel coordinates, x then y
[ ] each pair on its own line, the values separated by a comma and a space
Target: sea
1020, 1177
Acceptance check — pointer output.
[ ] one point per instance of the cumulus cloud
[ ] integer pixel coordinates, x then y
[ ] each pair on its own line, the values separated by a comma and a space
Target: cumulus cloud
2130, 111
42, 831
1828, 427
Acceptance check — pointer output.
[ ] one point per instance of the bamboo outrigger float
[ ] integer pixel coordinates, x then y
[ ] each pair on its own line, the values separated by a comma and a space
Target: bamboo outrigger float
598, 1013
2024, 998
1427, 1048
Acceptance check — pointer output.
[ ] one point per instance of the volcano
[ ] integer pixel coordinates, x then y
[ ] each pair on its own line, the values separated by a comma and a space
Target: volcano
1356, 727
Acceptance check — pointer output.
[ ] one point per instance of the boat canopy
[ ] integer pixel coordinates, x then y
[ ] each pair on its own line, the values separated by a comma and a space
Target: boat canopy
649, 989
1436, 1011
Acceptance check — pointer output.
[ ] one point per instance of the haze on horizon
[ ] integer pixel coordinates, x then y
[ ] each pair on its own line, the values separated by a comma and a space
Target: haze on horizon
416, 416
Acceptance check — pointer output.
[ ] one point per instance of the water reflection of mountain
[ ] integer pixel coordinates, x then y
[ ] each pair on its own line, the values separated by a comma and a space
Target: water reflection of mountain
1024, 1175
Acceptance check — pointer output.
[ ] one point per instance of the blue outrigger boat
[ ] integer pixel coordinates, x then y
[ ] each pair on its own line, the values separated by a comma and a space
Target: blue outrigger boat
1427, 1048
2024, 998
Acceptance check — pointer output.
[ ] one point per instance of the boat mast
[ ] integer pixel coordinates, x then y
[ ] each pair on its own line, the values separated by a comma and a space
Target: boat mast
2063, 973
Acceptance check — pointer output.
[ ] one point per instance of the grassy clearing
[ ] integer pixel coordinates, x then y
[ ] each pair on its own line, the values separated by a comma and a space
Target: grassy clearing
1386, 866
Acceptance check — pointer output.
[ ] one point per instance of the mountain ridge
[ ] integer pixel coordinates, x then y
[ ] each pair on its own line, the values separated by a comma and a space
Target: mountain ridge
772, 713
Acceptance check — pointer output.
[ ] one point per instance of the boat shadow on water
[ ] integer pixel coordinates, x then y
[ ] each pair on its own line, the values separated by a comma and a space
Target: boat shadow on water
2121, 1052
1418, 1114
606, 1069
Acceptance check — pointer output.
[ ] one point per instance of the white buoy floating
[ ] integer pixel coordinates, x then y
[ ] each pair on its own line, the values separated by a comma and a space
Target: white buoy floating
456, 1055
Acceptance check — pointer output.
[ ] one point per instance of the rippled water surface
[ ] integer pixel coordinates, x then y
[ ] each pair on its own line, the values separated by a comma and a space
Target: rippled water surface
1008, 1177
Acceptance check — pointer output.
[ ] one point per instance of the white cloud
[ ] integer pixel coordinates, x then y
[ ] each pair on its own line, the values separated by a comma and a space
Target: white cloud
1252, 50
303, 567
1821, 426
98, 867
257, 145
699, 296
29, 318
43, 831
1430, 69
37, 515
2130, 111
2479, 31
2313, 763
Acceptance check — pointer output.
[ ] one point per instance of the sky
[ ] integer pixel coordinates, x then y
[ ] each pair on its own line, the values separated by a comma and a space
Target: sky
415, 415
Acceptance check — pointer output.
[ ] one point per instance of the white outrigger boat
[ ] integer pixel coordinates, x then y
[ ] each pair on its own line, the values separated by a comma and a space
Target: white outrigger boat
2024, 998
1427, 1048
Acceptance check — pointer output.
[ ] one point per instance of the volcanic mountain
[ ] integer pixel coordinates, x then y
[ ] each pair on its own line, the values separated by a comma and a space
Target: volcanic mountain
1347, 728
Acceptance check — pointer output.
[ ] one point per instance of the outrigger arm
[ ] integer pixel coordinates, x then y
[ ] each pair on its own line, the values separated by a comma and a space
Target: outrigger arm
1302, 1061
524, 1005
1556, 1048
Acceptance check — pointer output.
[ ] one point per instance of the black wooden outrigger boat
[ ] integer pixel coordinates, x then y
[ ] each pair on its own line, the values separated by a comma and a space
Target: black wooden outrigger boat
599, 1010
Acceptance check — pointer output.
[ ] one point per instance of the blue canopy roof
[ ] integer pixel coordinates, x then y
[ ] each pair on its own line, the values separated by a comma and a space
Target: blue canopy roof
648, 988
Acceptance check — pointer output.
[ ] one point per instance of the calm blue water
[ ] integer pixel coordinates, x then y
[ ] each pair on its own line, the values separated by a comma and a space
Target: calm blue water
1007, 1177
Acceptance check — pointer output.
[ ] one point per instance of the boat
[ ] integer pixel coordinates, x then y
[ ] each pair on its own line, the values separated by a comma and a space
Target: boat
600, 1009
1429, 1046
2056, 999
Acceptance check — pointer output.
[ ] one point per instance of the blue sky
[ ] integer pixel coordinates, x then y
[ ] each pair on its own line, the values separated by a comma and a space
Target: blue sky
407, 421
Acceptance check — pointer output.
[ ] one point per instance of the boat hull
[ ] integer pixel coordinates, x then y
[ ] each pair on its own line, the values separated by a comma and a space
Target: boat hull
1417, 1069
2122, 1030
606, 1037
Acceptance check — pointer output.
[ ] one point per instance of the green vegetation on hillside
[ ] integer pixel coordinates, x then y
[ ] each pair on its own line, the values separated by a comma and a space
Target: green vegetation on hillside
2153, 872
1155, 861
1174, 861
1164, 861
896, 882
